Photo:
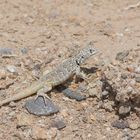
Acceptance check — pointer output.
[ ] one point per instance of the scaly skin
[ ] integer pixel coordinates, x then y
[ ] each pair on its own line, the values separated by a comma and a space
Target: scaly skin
57, 76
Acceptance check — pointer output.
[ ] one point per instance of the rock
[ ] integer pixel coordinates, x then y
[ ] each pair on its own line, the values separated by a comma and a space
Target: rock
124, 80
77, 95
130, 69
129, 90
120, 124
124, 110
104, 93
137, 79
59, 124
41, 106
6, 51
2, 73
24, 50
11, 68
124, 75
93, 93
132, 82
133, 125
121, 55
137, 70
92, 117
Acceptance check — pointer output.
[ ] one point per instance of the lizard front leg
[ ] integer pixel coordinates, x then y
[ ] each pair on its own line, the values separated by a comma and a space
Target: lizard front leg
81, 74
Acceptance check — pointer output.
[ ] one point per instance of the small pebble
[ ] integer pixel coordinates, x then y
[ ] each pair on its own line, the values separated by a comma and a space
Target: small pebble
6, 51
11, 69
59, 124
137, 79
121, 55
124, 110
132, 82
24, 50
104, 93
120, 124
129, 90
2, 73
92, 117
137, 70
123, 75
134, 125
130, 69
93, 93
73, 94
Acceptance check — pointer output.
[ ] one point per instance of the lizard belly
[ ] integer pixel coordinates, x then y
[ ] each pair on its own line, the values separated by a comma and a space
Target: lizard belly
58, 78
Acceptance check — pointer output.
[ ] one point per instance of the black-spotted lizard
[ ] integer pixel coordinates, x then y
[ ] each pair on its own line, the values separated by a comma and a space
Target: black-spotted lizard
57, 76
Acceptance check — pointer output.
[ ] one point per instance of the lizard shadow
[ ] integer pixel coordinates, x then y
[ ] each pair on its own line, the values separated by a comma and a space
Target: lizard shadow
87, 71
77, 93
133, 103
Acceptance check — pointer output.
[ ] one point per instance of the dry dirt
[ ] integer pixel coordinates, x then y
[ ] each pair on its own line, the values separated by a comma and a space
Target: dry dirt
43, 33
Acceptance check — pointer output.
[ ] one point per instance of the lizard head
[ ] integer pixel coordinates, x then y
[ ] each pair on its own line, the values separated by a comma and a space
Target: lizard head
85, 53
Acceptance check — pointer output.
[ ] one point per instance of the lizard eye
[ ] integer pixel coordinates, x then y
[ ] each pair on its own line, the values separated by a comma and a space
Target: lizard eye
77, 62
82, 56
91, 50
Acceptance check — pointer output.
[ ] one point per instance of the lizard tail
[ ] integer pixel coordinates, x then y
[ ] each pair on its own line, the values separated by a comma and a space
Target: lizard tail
6, 101
23, 94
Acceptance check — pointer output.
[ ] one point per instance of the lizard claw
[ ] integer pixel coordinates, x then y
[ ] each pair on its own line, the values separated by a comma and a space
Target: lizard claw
42, 92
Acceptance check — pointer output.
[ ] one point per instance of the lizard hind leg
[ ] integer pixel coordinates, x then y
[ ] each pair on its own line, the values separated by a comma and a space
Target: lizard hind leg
42, 92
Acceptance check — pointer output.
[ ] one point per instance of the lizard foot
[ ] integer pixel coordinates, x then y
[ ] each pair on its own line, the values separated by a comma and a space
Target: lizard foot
42, 92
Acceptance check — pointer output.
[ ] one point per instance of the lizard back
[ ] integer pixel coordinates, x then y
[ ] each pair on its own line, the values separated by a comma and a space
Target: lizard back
68, 68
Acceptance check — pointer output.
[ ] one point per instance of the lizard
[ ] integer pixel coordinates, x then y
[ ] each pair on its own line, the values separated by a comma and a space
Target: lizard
57, 76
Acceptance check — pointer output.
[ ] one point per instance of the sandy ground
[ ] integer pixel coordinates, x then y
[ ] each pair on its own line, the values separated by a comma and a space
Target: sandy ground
50, 30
